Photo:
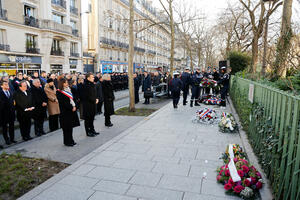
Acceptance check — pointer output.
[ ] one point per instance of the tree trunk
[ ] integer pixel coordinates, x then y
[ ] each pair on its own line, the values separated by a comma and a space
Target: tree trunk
199, 56
264, 64
130, 59
191, 57
254, 53
284, 42
172, 38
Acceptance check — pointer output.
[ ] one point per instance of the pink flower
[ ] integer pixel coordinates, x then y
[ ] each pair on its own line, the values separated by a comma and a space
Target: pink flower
221, 172
227, 186
245, 168
219, 177
245, 161
258, 185
235, 160
253, 180
237, 189
258, 174
227, 173
247, 182
241, 173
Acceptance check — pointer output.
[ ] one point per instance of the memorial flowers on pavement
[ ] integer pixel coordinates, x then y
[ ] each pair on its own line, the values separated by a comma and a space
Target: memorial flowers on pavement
206, 115
249, 178
208, 83
228, 123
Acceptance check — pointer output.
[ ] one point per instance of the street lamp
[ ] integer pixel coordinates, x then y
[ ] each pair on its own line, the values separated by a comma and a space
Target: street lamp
264, 64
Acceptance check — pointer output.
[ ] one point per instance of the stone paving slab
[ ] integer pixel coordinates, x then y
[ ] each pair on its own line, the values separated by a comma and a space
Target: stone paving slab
163, 157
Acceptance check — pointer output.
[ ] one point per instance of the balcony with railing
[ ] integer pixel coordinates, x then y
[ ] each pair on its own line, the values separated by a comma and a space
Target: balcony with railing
4, 47
151, 52
3, 14
138, 49
74, 10
60, 3
75, 32
73, 54
57, 52
51, 25
32, 50
31, 21
86, 54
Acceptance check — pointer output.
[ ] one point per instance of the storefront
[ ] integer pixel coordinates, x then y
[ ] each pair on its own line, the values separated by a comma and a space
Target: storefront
110, 67
137, 67
11, 64
73, 65
56, 69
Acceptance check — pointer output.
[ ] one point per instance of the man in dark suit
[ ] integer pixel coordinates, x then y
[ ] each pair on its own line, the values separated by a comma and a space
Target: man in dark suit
39, 101
24, 108
7, 113
89, 103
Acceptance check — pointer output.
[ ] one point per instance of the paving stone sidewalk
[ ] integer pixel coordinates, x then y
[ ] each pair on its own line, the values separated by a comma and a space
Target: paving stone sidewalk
163, 157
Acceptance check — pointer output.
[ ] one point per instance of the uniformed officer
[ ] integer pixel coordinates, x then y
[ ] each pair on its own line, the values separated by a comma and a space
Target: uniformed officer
224, 82
186, 80
175, 87
196, 79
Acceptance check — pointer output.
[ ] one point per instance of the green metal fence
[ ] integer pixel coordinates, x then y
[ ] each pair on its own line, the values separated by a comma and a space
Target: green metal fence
271, 121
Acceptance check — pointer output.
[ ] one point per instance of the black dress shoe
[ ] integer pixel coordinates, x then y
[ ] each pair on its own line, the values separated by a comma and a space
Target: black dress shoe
109, 125
69, 145
1, 147
74, 143
13, 141
95, 133
90, 134
29, 138
8, 142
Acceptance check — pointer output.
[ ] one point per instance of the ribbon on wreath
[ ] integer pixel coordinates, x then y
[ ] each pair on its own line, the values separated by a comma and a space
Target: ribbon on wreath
232, 168
204, 114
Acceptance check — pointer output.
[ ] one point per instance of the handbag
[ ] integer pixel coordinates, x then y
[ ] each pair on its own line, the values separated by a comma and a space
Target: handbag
148, 94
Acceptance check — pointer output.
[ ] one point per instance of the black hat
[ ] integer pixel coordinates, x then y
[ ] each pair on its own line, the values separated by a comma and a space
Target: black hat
49, 80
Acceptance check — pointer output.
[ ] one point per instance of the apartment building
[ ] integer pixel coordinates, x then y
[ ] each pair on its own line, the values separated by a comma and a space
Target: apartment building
108, 36
40, 35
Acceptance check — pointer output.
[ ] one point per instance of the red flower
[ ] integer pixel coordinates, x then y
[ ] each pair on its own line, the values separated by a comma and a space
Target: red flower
231, 181
258, 185
227, 173
247, 182
237, 189
227, 186
235, 160
253, 180
241, 173
221, 172
245, 168
219, 177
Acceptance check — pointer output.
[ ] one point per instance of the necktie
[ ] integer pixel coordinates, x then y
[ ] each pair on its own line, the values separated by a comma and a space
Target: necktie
7, 94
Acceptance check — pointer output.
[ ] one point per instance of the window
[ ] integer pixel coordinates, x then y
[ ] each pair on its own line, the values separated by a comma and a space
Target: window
73, 24
56, 45
3, 39
73, 47
58, 18
31, 41
72, 3
28, 11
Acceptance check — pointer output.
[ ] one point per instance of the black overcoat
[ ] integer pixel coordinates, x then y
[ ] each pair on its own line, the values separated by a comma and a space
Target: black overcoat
68, 118
109, 98
38, 98
89, 100
7, 108
22, 102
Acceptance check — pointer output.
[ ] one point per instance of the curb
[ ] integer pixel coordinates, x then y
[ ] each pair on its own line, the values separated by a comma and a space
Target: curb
266, 191
39, 189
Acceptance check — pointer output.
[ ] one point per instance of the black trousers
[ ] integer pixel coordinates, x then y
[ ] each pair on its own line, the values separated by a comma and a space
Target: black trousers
175, 97
185, 93
99, 107
89, 124
136, 96
195, 93
39, 126
11, 128
147, 100
25, 126
53, 122
107, 120
224, 91
68, 136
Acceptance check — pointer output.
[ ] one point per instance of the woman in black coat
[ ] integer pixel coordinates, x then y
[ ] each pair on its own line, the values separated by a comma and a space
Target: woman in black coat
109, 97
68, 115
146, 87
99, 95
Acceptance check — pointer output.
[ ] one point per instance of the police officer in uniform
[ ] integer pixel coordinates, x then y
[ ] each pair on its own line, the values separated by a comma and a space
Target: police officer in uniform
224, 82
175, 87
196, 79
186, 80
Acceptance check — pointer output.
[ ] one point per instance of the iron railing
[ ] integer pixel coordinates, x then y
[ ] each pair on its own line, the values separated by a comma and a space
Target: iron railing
32, 50
74, 10
86, 54
31, 21
61, 3
57, 52
4, 47
272, 123
3, 14
73, 54
75, 32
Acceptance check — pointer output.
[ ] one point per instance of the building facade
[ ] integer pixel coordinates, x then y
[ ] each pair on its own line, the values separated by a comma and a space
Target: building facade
40, 35
108, 36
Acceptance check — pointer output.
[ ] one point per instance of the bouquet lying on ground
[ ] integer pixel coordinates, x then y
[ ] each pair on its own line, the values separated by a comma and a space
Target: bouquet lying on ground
212, 101
228, 123
208, 83
250, 180
206, 115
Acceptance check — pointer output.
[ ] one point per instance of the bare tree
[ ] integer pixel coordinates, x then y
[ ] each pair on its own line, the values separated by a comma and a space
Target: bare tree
131, 57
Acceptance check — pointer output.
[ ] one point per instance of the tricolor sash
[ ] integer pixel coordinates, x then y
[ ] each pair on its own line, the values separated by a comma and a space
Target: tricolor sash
68, 94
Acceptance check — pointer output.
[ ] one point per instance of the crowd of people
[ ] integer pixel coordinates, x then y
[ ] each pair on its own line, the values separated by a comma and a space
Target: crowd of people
30, 98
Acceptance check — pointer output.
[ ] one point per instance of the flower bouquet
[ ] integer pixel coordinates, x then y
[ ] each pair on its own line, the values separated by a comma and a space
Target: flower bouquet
206, 115
228, 123
212, 101
250, 180
208, 83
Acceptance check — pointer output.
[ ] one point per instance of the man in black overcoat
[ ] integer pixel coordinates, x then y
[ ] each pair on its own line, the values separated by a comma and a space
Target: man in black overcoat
24, 108
39, 101
90, 102
7, 112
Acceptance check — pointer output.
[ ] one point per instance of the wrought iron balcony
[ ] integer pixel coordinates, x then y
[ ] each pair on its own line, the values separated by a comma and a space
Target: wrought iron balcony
74, 10
57, 52
86, 54
31, 21
4, 47
75, 32
32, 50
3, 14
138, 49
73, 54
49, 24
151, 52
61, 3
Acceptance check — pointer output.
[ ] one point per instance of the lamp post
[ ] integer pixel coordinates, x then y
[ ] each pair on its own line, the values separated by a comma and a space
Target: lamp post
264, 64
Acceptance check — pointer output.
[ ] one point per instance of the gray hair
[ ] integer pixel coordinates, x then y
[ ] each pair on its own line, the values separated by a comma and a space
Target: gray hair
35, 80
